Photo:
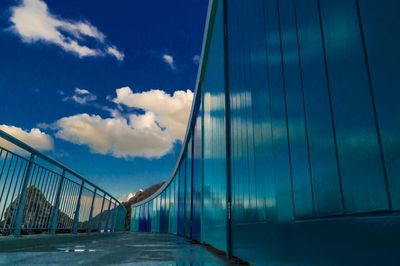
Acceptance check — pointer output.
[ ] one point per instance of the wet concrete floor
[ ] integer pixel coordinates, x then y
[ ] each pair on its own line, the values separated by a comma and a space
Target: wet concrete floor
105, 249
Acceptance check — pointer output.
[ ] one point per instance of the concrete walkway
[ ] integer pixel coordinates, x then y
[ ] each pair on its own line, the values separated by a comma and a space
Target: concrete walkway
105, 249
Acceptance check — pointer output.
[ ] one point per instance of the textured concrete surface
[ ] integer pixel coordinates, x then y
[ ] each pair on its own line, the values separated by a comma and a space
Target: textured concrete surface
105, 249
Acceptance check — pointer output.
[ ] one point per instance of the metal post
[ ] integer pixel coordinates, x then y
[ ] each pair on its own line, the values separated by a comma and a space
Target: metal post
114, 218
54, 213
89, 227
22, 198
100, 223
76, 214
108, 214
117, 217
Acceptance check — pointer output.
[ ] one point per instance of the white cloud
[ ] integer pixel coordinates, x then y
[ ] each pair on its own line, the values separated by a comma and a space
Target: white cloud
34, 137
169, 59
171, 111
112, 50
33, 22
150, 134
196, 59
81, 91
81, 96
138, 136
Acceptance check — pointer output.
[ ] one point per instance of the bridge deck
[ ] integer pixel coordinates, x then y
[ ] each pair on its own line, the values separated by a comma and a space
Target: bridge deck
101, 249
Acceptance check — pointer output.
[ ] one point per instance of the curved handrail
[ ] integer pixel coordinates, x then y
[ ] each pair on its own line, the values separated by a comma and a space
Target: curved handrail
37, 153
196, 101
40, 198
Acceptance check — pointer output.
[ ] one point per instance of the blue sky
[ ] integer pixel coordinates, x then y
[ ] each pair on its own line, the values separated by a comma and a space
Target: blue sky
101, 86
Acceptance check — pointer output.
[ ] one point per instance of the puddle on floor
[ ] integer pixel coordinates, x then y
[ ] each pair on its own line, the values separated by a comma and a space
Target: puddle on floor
77, 249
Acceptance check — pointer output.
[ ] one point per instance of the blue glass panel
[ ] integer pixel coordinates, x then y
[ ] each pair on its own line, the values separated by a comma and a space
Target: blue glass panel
174, 225
311, 136
148, 218
188, 194
381, 23
197, 178
297, 131
360, 161
260, 102
167, 208
283, 186
152, 210
324, 168
181, 199
234, 67
214, 183
158, 200
140, 218
135, 220
163, 218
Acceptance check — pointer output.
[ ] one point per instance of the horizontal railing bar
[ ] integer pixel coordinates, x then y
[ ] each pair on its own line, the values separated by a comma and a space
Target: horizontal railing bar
37, 153
13, 153
45, 168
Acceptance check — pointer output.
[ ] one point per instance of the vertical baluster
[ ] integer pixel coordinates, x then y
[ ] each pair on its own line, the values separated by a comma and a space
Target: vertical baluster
89, 227
101, 217
22, 199
54, 212
68, 206
36, 200
108, 215
78, 206
72, 203
45, 223
9, 220
8, 192
115, 217
43, 200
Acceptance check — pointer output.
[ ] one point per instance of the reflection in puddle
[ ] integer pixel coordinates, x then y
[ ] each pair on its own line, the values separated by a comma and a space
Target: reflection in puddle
76, 249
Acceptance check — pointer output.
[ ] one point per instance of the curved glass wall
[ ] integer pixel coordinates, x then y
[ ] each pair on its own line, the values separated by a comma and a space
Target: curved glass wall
292, 154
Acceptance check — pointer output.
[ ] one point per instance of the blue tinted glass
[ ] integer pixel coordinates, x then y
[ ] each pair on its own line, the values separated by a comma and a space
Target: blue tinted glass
324, 168
181, 203
360, 161
312, 90
380, 23
283, 192
197, 178
297, 131
188, 195
214, 190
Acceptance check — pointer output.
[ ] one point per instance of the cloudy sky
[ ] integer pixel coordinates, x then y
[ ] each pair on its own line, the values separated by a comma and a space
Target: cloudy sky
106, 88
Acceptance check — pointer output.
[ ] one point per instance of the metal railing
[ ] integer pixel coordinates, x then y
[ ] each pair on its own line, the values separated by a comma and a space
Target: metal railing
39, 194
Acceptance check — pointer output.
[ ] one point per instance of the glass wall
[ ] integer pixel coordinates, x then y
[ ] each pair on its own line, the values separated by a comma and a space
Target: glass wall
214, 154
304, 94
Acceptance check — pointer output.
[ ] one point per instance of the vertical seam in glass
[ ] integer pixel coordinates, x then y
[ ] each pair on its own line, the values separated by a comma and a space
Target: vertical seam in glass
304, 106
331, 107
285, 104
370, 88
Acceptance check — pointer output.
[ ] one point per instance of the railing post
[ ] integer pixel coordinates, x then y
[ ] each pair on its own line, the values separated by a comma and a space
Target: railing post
114, 218
108, 215
89, 227
78, 207
99, 224
54, 213
22, 198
